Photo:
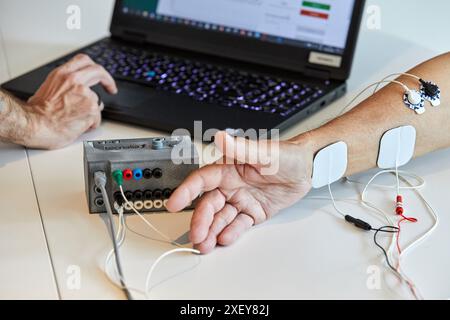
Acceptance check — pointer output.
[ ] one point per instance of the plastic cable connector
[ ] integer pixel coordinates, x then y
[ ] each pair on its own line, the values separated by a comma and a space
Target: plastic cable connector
118, 177
100, 179
360, 224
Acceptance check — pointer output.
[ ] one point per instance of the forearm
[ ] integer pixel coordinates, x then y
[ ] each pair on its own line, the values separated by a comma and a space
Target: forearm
15, 124
363, 127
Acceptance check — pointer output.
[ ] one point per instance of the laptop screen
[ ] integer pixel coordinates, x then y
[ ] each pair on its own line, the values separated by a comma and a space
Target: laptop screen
321, 25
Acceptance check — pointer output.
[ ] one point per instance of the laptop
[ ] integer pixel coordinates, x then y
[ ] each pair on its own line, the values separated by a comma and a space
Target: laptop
232, 64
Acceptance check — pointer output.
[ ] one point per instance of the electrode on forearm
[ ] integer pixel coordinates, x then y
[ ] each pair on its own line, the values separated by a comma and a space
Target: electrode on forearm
329, 165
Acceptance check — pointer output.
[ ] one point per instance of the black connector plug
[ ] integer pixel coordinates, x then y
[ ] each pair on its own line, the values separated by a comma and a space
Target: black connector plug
360, 224
430, 88
118, 198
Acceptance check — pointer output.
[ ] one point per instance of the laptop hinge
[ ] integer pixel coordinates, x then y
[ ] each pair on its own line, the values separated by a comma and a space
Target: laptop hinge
133, 36
317, 73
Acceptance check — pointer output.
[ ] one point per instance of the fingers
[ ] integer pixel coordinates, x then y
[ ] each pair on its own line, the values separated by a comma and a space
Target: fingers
80, 61
81, 69
234, 230
87, 105
222, 219
93, 75
202, 180
203, 216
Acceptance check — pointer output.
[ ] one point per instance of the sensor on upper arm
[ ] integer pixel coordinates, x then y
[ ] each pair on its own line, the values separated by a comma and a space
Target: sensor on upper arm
415, 99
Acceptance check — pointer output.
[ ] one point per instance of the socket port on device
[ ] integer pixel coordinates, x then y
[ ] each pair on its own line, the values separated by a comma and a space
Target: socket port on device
127, 174
97, 190
99, 202
138, 195
157, 194
147, 174
137, 174
148, 195
158, 204
138, 205
167, 193
157, 173
129, 195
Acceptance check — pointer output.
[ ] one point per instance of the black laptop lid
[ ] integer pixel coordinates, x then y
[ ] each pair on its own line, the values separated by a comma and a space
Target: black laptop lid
314, 37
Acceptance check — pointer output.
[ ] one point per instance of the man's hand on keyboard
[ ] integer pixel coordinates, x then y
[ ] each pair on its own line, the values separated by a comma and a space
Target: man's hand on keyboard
65, 107
260, 180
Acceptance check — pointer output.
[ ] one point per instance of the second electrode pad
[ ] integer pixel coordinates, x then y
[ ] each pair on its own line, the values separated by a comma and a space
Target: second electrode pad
397, 147
329, 165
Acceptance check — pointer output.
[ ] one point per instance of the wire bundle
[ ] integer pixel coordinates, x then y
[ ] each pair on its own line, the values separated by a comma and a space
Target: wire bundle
394, 251
118, 238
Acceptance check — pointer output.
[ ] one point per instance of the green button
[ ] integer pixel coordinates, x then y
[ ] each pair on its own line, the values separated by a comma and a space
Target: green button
316, 5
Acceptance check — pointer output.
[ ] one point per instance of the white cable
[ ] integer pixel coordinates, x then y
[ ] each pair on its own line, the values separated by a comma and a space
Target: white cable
391, 249
100, 181
360, 93
396, 74
380, 212
120, 236
143, 235
420, 180
152, 268
416, 242
343, 214
430, 231
399, 274
145, 220
367, 88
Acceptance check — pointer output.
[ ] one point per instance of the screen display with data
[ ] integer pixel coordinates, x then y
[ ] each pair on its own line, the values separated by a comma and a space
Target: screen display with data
318, 24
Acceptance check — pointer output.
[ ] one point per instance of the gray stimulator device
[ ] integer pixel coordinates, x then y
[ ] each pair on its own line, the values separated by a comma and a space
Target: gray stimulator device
151, 168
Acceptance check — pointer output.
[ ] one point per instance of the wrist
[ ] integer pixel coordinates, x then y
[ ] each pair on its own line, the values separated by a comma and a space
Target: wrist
16, 123
308, 141
317, 139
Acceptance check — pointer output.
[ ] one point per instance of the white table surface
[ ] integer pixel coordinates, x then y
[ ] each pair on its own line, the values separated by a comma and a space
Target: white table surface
303, 253
25, 268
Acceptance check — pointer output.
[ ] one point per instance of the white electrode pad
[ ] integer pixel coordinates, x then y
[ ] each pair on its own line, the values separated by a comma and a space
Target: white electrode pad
397, 147
329, 165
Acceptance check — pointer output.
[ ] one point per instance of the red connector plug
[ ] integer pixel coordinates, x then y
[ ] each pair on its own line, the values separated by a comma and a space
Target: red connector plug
399, 205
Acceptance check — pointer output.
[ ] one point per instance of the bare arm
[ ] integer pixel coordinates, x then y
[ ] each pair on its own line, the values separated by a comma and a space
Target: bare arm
237, 195
15, 125
62, 109
363, 127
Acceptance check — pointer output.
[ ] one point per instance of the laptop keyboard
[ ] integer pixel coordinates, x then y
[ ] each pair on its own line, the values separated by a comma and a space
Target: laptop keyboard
204, 82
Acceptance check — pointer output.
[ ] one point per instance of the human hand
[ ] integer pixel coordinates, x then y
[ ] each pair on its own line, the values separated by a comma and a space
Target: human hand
237, 195
65, 107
